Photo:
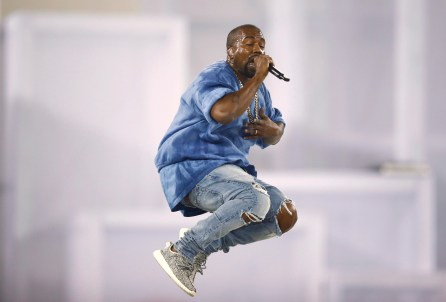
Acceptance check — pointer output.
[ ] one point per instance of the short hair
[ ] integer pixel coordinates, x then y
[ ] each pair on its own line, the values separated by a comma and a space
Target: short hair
235, 33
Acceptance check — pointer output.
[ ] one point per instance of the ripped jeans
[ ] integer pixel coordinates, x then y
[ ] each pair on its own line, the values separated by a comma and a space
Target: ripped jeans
228, 192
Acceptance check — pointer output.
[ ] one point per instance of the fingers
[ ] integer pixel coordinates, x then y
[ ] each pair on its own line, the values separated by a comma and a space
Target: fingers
262, 113
263, 117
263, 62
252, 131
270, 61
258, 128
263, 59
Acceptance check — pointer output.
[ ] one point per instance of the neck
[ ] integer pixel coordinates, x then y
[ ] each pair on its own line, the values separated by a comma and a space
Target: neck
239, 76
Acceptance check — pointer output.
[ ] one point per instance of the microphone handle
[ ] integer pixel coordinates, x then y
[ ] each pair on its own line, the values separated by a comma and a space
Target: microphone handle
277, 73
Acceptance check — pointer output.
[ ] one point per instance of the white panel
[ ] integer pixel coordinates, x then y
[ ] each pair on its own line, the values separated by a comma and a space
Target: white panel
388, 287
374, 222
87, 100
290, 266
410, 80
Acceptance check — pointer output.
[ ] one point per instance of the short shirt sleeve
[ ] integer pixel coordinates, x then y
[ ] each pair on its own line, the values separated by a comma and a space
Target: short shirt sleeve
207, 95
210, 87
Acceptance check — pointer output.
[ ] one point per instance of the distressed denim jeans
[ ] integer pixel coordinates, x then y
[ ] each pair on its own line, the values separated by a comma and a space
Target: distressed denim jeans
227, 193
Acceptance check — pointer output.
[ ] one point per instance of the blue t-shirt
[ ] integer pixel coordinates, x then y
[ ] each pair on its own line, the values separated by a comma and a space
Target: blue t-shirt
195, 144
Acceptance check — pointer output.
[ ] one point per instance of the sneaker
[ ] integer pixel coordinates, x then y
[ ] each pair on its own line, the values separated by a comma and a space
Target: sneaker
179, 269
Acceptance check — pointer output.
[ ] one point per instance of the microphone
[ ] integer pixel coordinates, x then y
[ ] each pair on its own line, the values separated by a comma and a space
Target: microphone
277, 73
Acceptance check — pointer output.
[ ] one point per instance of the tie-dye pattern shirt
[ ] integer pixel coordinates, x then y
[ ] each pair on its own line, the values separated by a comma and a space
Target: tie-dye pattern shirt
195, 144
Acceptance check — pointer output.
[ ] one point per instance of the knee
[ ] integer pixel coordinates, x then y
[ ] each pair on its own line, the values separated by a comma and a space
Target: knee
286, 216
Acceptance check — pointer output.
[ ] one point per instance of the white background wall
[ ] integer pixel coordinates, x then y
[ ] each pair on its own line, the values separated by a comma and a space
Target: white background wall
343, 60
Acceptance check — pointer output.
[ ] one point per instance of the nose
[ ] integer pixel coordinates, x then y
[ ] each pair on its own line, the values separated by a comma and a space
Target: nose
258, 49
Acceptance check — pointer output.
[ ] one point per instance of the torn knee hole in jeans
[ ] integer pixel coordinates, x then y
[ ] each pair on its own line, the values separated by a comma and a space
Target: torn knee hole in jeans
284, 206
250, 217
286, 215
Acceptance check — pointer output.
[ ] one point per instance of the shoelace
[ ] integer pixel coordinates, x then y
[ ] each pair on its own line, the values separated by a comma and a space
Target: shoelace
200, 263
185, 265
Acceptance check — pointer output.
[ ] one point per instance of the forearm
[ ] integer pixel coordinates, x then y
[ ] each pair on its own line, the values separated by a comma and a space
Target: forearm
233, 105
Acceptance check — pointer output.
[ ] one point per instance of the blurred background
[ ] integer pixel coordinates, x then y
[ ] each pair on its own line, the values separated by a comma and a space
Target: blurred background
88, 89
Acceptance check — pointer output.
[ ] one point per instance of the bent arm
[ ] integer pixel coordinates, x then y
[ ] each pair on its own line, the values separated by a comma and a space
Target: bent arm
234, 104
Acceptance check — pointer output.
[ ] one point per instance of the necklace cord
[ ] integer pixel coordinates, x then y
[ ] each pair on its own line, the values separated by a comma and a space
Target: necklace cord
256, 101
256, 105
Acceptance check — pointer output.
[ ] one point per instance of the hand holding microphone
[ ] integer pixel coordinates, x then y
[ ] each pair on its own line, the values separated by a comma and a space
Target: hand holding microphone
272, 69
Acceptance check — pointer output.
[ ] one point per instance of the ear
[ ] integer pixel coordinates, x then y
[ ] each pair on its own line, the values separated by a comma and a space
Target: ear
230, 52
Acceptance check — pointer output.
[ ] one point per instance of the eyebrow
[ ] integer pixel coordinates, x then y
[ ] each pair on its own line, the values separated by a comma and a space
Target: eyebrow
251, 37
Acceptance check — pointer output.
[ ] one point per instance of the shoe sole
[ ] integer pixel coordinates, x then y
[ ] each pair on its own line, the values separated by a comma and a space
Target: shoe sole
162, 262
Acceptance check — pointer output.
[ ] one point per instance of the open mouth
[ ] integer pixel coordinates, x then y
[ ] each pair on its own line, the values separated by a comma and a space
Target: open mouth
251, 66
251, 59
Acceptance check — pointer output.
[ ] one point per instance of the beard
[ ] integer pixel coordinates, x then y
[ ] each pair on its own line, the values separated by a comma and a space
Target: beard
250, 69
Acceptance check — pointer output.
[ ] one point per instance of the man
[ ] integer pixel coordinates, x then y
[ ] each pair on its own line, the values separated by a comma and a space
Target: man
203, 165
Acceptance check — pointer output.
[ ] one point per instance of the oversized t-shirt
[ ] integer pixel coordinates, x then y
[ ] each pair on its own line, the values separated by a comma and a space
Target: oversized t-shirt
195, 144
